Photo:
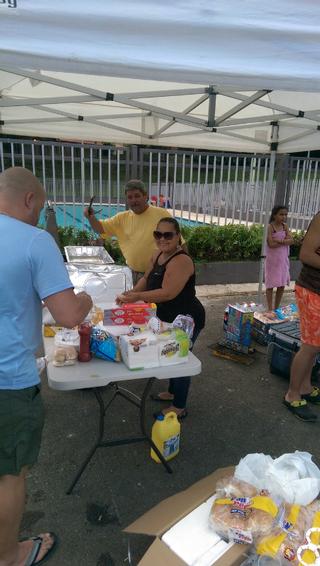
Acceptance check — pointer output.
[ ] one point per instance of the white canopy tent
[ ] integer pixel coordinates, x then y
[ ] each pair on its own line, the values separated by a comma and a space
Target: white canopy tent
217, 74
209, 74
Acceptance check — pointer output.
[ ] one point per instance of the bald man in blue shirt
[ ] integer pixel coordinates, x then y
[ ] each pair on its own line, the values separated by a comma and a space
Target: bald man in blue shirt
32, 272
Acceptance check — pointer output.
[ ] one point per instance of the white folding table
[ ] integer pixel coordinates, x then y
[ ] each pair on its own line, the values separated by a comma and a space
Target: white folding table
98, 374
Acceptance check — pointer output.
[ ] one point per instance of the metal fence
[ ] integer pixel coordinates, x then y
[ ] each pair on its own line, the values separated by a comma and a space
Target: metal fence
200, 186
207, 187
303, 196
71, 172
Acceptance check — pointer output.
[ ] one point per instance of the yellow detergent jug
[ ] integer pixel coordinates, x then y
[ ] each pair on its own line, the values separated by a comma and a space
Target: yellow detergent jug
166, 436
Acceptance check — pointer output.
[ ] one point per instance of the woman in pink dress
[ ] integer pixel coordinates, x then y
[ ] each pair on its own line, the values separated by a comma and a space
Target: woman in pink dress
279, 240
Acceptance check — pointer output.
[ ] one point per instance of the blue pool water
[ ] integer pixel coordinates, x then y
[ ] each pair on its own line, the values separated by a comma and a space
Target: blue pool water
72, 215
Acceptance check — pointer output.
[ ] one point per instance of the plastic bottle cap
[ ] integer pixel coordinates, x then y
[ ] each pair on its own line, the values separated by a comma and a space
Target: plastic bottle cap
160, 418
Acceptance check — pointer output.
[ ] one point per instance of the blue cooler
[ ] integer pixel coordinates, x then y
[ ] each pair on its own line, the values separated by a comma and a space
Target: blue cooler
260, 331
284, 343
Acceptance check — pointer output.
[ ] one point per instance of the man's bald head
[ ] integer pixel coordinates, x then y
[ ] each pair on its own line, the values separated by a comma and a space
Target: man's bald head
21, 194
17, 181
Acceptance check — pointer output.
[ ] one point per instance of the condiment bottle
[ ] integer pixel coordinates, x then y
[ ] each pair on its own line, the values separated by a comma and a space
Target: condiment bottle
84, 351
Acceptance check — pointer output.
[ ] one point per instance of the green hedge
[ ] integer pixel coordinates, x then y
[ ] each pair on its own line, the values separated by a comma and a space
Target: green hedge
205, 243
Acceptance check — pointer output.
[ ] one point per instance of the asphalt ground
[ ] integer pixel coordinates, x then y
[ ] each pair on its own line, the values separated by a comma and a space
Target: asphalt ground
233, 410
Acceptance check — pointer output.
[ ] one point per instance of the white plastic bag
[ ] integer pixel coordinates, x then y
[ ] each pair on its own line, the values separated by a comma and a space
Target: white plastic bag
252, 469
291, 477
294, 477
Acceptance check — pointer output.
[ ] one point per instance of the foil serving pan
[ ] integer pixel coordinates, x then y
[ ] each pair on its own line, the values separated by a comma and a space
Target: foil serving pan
88, 255
102, 282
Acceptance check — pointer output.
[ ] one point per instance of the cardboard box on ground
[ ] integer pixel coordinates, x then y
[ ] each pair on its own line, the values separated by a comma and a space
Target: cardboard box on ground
161, 518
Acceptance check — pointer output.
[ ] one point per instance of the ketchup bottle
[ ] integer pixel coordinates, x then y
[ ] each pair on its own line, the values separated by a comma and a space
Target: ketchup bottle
84, 352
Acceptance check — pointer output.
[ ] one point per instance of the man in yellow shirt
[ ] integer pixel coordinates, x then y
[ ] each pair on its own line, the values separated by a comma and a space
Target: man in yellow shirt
133, 228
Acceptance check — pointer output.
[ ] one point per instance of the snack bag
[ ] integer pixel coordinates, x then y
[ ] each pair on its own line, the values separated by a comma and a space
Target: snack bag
184, 322
289, 535
287, 312
103, 345
309, 552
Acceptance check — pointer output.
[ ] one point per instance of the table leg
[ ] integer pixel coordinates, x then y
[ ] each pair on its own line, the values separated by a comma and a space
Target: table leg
102, 411
82, 468
100, 443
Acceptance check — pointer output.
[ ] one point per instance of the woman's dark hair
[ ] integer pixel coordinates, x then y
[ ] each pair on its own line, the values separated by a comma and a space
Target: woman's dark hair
275, 211
174, 223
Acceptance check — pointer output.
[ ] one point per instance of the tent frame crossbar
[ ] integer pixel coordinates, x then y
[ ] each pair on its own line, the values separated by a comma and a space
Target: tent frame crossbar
6, 102
186, 111
244, 104
90, 120
221, 125
165, 93
255, 119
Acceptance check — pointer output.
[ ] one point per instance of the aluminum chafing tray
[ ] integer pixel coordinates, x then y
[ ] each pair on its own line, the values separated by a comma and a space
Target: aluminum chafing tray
88, 255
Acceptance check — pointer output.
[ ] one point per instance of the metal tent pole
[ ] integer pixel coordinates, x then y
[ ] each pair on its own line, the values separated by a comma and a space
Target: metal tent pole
268, 201
212, 106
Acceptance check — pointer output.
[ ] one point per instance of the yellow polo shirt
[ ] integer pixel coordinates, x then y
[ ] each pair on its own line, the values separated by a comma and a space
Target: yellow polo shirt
135, 234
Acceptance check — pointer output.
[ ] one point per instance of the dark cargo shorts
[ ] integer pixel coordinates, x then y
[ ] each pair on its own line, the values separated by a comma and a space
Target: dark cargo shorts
21, 424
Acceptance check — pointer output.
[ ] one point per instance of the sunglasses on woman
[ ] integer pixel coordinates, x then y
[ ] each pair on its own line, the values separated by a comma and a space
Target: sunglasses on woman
165, 235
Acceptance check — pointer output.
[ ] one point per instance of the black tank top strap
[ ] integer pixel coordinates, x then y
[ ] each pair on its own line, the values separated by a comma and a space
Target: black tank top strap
157, 258
273, 228
180, 252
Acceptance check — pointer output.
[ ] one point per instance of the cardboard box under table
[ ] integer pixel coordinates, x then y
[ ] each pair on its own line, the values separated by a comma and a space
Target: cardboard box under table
99, 375
180, 527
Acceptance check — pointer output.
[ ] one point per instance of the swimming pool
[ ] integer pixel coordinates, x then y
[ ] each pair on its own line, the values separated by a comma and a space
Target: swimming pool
72, 215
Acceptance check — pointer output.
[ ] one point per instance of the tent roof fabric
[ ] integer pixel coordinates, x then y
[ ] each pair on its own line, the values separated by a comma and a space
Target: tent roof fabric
211, 74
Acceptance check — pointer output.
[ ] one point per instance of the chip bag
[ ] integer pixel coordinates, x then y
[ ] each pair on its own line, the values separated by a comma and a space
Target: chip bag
104, 346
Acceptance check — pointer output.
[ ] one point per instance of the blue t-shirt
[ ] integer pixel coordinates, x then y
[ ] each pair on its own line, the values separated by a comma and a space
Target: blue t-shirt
31, 269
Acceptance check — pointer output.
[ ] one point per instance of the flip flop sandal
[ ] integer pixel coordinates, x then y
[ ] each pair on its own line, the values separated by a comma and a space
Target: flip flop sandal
159, 399
37, 543
313, 397
300, 410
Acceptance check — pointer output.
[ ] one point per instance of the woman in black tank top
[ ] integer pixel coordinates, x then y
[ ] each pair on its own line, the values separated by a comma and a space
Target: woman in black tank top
170, 283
